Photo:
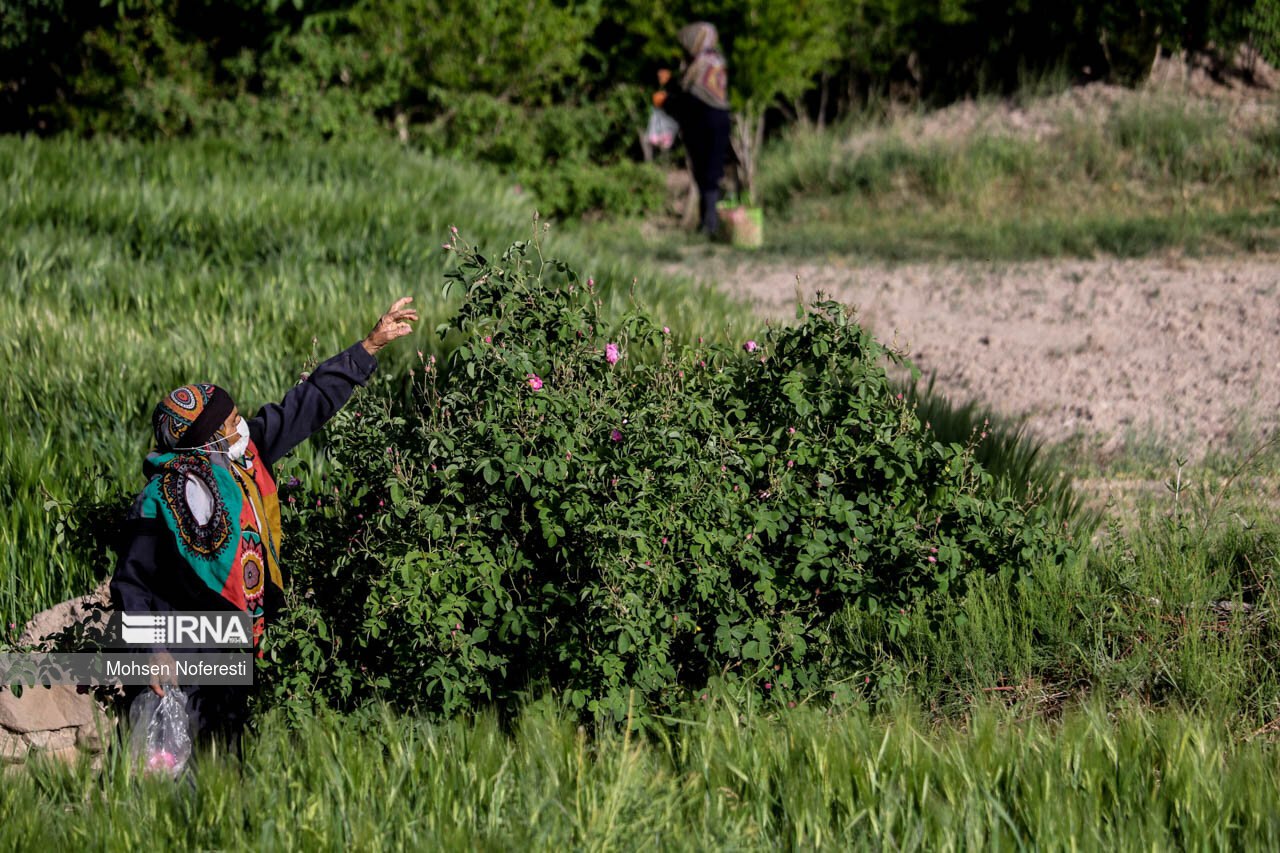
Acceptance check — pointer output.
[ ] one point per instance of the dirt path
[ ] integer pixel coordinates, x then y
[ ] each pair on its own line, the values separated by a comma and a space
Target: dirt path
1173, 354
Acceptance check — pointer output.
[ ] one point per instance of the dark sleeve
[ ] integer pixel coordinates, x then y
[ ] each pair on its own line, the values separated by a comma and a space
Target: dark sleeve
136, 586
280, 427
677, 105
133, 586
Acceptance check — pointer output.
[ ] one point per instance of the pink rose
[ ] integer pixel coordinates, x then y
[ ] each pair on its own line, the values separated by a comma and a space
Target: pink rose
535, 382
611, 353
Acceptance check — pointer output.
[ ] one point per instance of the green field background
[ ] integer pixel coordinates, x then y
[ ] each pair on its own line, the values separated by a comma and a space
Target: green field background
1114, 704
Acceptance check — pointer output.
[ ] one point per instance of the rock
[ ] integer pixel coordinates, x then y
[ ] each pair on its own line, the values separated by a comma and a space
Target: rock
62, 616
45, 708
52, 740
13, 748
62, 755
94, 736
69, 755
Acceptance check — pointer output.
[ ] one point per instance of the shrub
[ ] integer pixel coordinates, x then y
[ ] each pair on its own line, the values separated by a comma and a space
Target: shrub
623, 189
586, 505
571, 156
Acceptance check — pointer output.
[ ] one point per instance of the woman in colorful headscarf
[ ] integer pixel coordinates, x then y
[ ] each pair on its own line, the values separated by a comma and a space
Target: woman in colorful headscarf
204, 534
699, 101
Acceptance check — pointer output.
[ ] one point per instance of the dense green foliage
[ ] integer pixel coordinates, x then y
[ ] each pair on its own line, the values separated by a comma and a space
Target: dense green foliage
528, 84
256, 251
592, 505
129, 269
473, 538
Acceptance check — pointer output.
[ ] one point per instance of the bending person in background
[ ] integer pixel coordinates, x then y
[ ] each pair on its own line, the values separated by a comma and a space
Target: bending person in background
204, 534
699, 101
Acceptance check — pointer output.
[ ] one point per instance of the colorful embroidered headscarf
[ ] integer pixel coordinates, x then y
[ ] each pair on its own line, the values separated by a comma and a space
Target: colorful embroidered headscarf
705, 78
189, 416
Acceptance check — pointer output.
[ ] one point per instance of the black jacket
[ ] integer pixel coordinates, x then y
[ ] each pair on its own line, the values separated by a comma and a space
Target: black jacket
150, 574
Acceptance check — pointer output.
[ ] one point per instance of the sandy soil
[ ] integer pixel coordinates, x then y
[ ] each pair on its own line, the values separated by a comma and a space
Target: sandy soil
1172, 353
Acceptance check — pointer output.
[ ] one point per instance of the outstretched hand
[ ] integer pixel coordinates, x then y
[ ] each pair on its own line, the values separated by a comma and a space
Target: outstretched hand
393, 324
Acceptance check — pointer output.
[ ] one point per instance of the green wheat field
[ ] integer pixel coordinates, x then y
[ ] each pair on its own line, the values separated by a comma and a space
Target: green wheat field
1128, 700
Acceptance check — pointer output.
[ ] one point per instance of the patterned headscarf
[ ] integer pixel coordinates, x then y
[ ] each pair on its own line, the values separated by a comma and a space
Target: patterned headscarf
189, 416
706, 77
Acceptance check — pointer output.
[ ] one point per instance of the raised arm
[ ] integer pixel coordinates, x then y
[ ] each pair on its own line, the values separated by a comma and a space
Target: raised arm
308, 406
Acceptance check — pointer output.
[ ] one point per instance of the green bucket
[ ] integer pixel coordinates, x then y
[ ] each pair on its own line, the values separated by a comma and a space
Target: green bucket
741, 226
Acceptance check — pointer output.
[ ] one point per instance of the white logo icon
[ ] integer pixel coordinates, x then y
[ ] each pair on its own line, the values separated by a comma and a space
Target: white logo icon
184, 629
143, 630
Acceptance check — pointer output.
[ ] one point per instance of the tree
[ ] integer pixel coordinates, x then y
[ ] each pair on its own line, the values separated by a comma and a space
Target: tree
774, 53
518, 51
1263, 22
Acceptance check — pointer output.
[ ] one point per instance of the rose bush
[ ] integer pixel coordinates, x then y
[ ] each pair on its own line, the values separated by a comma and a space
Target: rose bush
591, 507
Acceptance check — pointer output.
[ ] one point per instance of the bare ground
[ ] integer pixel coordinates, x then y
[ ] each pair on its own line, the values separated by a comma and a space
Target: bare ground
1161, 358
1170, 353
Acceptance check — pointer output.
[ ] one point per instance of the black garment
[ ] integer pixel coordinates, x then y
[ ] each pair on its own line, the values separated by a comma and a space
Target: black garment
151, 575
705, 130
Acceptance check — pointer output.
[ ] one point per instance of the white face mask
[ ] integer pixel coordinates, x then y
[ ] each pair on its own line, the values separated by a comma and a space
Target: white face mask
236, 450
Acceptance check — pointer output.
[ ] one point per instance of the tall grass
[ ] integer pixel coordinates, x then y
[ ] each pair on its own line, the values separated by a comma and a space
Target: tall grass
1017, 459
1153, 172
1177, 613
802, 779
1125, 700
128, 269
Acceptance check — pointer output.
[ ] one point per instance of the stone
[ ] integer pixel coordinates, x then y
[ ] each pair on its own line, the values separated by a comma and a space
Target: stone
43, 708
62, 755
13, 748
62, 616
67, 755
94, 736
52, 740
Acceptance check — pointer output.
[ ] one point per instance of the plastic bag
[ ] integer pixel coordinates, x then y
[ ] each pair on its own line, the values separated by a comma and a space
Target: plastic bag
160, 732
661, 132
